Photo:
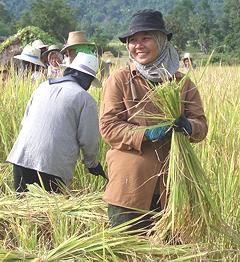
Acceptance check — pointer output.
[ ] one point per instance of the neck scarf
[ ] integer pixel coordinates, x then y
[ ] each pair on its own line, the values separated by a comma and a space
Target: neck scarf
73, 75
166, 64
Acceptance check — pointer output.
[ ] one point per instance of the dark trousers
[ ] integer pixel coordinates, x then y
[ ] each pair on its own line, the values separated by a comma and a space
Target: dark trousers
23, 176
119, 215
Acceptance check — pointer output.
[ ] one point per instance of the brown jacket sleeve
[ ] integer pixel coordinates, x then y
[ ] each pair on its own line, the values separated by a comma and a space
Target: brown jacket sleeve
115, 127
193, 110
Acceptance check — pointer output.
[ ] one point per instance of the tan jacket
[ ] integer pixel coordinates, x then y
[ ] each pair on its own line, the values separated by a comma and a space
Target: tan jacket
134, 165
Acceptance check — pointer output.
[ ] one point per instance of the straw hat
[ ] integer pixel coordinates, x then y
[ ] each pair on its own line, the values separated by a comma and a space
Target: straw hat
38, 44
30, 54
52, 48
76, 38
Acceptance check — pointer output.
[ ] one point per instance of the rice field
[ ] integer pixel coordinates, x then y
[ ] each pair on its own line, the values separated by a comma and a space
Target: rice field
74, 226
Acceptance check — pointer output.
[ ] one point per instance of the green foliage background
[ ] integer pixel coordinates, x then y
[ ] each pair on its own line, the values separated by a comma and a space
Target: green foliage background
197, 26
28, 35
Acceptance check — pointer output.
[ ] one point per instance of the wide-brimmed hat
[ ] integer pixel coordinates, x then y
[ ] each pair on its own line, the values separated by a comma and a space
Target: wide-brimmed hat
88, 64
76, 38
146, 20
51, 48
38, 44
30, 54
187, 56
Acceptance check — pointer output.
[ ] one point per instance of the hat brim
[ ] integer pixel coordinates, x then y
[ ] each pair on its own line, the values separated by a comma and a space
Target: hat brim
124, 37
42, 46
69, 46
29, 59
79, 69
48, 51
95, 82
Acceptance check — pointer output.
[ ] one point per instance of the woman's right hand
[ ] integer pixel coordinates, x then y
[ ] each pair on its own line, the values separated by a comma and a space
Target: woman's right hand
158, 133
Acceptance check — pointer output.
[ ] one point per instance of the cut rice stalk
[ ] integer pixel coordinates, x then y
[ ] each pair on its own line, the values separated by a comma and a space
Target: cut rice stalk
190, 213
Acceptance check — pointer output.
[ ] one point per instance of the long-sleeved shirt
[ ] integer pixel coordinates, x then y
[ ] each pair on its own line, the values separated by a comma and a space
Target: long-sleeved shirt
60, 120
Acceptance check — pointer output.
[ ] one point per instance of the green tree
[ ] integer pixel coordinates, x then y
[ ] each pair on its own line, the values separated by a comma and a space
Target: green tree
179, 22
112, 17
5, 20
230, 26
55, 17
179, 36
203, 26
101, 39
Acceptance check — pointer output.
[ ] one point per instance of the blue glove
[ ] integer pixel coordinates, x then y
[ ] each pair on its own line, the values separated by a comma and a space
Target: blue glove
158, 133
183, 125
97, 171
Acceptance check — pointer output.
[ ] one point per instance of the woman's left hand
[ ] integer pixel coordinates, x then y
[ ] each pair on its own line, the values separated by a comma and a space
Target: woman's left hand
183, 125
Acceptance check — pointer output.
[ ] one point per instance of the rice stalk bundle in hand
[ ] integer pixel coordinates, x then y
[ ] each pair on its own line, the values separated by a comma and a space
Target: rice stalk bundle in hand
191, 212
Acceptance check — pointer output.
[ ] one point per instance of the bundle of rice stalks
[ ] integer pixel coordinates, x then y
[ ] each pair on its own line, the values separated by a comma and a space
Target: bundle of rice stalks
113, 245
39, 226
37, 203
191, 212
109, 245
39, 219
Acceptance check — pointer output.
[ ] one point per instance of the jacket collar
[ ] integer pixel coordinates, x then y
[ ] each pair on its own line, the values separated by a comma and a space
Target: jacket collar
61, 79
135, 73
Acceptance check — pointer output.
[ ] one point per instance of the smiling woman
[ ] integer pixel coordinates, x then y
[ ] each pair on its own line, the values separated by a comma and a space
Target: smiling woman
137, 159
143, 47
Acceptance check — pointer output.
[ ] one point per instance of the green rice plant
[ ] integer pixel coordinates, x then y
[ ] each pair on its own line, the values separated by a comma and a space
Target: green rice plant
38, 220
12, 255
191, 212
41, 225
14, 96
219, 152
109, 246
5, 179
35, 203
85, 181
51, 227
24, 232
